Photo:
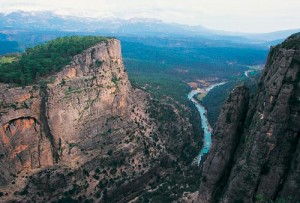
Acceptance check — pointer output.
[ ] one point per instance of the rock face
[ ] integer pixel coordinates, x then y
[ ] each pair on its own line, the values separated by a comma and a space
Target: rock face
91, 90
255, 152
72, 119
86, 134
222, 152
71, 111
22, 141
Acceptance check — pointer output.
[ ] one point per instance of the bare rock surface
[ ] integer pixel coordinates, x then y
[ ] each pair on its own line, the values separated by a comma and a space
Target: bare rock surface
86, 134
258, 161
226, 139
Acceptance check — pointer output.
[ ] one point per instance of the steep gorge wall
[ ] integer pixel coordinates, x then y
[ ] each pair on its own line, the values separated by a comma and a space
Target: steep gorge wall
23, 142
36, 114
64, 122
265, 163
87, 134
221, 156
91, 90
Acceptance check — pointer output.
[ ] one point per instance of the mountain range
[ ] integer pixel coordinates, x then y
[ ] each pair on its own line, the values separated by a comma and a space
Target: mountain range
47, 21
110, 119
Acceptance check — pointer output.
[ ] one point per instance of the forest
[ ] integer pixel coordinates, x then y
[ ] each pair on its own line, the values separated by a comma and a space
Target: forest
44, 59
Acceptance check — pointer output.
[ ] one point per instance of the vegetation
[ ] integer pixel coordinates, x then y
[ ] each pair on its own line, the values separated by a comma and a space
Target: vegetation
85, 172
263, 199
110, 152
45, 59
292, 42
173, 185
164, 71
8, 59
265, 169
215, 99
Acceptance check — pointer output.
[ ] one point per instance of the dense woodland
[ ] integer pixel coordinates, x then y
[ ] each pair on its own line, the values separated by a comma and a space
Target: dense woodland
44, 59
164, 70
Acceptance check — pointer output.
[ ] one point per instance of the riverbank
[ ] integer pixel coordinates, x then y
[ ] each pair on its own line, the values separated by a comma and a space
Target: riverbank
253, 70
204, 120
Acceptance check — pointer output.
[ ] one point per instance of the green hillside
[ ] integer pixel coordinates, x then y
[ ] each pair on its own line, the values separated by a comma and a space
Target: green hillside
45, 59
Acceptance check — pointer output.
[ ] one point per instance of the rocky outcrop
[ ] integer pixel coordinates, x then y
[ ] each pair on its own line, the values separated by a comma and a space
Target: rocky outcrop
257, 161
42, 124
80, 114
85, 133
85, 95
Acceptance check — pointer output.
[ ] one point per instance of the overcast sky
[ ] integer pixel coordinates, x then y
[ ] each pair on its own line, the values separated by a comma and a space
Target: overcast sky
230, 15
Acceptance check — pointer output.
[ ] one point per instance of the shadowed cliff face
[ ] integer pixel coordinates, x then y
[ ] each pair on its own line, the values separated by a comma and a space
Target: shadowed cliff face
226, 139
254, 154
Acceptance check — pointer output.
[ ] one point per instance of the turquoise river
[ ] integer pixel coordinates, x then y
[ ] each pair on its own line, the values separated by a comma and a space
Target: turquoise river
204, 121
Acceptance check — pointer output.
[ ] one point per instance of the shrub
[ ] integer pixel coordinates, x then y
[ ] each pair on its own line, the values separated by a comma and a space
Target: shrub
96, 177
228, 117
265, 169
110, 152
98, 63
97, 170
85, 172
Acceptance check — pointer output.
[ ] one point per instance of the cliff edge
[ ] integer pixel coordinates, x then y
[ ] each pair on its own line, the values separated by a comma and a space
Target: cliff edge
81, 119
255, 151
83, 133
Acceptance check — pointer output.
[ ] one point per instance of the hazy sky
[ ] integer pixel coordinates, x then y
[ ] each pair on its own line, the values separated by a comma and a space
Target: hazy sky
231, 15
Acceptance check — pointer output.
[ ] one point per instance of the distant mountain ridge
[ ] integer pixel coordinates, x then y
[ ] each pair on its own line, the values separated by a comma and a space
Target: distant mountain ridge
46, 20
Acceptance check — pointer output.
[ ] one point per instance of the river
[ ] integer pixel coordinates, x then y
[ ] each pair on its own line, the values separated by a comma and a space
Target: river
247, 72
204, 121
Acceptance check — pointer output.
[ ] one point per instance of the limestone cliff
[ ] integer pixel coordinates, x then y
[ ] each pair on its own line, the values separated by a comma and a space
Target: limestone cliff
72, 119
85, 133
255, 152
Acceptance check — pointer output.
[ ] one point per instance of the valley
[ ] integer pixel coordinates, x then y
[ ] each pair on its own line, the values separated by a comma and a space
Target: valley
102, 110
90, 132
253, 138
207, 129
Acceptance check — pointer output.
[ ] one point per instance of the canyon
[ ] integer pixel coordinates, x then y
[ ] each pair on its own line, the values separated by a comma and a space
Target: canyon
86, 133
255, 145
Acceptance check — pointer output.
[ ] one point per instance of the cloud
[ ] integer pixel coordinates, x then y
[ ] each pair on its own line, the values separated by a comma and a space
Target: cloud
233, 15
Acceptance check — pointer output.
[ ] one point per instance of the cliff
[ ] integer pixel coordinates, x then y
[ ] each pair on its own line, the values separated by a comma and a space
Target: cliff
71, 120
255, 151
40, 123
84, 133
